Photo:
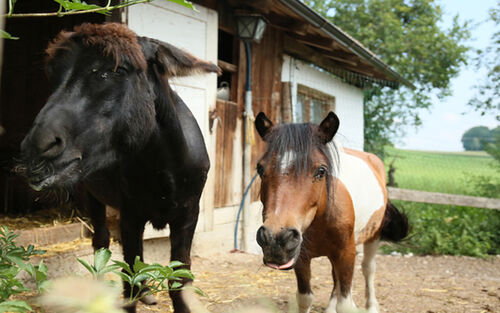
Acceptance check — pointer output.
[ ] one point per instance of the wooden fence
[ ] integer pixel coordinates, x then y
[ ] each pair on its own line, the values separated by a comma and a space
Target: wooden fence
443, 198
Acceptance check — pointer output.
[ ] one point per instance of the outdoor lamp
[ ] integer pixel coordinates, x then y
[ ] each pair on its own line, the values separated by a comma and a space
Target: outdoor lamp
250, 26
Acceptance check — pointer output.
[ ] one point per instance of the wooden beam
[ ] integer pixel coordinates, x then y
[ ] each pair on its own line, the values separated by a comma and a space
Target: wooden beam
227, 67
287, 23
443, 198
313, 40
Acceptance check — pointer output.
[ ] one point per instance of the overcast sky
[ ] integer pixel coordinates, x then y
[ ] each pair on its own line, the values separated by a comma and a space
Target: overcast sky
443, 126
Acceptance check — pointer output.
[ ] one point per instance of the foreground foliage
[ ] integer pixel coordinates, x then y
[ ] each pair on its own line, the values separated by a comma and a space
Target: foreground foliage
13, 261
444, 229
146, 279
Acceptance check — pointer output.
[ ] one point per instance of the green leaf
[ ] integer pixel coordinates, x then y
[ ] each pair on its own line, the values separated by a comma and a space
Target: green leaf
175, 285
184, 3
89, 267
175, 264
124, 266
125, 277
138, 264
14, 306
183, 273
101, 258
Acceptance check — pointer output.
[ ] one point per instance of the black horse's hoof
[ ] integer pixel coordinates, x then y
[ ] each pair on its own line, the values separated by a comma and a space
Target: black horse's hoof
149, 300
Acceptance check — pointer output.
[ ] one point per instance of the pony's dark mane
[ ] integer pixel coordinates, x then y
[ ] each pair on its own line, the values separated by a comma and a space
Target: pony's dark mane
302, 139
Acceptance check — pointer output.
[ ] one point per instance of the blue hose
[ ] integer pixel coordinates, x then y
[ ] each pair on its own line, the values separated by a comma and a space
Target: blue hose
239, 212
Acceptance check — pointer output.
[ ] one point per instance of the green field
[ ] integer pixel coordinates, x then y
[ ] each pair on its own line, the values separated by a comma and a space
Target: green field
446, 229
447, 172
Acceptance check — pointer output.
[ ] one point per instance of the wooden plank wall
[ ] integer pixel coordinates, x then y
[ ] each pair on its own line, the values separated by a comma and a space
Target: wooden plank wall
228, 114
267, 60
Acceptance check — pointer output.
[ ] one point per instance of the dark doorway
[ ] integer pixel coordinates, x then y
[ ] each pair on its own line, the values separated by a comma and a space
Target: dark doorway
24, 90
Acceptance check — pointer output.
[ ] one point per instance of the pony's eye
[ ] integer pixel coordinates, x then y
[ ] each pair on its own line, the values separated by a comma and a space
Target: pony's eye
260, 170
320, 172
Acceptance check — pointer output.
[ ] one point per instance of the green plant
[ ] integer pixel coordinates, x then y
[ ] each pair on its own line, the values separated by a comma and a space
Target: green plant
146, 279
445, 229
13, 260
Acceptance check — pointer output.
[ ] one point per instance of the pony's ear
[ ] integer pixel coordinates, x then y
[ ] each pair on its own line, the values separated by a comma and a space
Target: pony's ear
328, 127
174, 61
263, 124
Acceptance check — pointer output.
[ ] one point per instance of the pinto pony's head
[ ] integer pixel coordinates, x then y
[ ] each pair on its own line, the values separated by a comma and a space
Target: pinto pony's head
296, 173
109, 93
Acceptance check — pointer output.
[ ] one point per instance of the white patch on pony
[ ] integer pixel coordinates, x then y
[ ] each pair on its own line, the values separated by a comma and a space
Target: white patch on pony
346, 304
287, 160
368, 268
304, 301
366, 193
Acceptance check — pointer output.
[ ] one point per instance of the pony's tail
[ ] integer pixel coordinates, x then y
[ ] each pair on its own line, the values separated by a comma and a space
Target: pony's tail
395, 224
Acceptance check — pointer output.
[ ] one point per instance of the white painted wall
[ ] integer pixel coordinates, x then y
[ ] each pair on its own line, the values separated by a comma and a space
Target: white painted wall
197, 33
348, 99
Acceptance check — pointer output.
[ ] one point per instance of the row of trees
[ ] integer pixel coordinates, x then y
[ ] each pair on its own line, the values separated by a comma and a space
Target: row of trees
480, 138
409, 36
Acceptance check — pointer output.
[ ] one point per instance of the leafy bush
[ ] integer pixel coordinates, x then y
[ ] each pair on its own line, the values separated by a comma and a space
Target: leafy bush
14, 260
443, 229
147, 279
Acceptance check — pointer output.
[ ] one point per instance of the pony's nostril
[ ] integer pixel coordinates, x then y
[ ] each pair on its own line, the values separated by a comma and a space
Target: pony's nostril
263, 236
290, 238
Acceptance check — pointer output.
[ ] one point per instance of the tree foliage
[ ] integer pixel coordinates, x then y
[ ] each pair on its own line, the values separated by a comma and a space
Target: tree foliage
407, 35
475, 138
487, 100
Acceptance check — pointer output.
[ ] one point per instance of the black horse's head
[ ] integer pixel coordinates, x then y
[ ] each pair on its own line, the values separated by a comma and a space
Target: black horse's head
108, 85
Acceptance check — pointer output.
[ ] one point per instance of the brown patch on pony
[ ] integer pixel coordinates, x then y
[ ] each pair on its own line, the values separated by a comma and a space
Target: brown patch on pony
114, 39
373, 228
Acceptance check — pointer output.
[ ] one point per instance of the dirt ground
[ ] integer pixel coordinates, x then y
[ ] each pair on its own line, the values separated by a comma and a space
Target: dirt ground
429, 284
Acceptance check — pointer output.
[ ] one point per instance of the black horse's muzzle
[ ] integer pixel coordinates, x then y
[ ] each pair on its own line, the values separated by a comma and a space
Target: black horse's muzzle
282, 249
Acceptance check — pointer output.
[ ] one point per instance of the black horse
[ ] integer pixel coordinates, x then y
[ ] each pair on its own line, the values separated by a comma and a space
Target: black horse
114, 124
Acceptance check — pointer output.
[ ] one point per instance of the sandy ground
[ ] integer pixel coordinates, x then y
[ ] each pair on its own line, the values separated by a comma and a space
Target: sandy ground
429, 284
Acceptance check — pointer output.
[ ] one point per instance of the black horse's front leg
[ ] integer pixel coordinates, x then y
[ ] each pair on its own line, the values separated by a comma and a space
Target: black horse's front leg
131, 229
181, 238
97, 211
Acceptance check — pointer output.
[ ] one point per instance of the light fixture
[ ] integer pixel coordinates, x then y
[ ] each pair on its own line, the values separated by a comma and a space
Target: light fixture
250, 27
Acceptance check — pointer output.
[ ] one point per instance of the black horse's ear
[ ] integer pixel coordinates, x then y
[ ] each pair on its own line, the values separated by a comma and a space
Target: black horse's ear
174, 61
263, 124
328, 127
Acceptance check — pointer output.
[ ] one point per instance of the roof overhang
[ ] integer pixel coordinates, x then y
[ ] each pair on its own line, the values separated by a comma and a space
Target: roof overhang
312, 38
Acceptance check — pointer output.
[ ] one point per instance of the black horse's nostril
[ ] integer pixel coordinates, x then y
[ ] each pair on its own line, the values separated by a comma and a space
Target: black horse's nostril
53, 148
264, 236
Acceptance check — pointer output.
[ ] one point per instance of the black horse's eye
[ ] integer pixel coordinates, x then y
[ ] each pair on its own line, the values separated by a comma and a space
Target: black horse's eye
320, 172
260, 170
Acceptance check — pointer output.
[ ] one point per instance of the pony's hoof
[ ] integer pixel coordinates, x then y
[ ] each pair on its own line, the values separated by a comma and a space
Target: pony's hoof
149, 300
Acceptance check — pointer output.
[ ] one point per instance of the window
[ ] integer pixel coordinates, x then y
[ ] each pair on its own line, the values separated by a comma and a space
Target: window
311, 105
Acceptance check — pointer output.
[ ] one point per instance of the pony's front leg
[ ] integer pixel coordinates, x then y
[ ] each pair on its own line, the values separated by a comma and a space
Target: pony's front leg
181, 237
332, 305
368, 267
305, 295
344, 267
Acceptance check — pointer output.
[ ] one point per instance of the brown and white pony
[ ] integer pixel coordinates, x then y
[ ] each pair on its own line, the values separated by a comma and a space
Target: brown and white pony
322, 200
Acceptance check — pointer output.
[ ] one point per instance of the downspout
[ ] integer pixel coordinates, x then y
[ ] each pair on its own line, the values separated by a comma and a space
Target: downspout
247, 152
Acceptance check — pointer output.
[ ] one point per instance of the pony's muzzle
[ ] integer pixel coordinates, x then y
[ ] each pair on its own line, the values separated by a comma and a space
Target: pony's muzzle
281, 248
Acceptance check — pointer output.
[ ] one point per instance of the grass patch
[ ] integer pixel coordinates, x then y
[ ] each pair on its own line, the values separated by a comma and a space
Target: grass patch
445, 229
447, 172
